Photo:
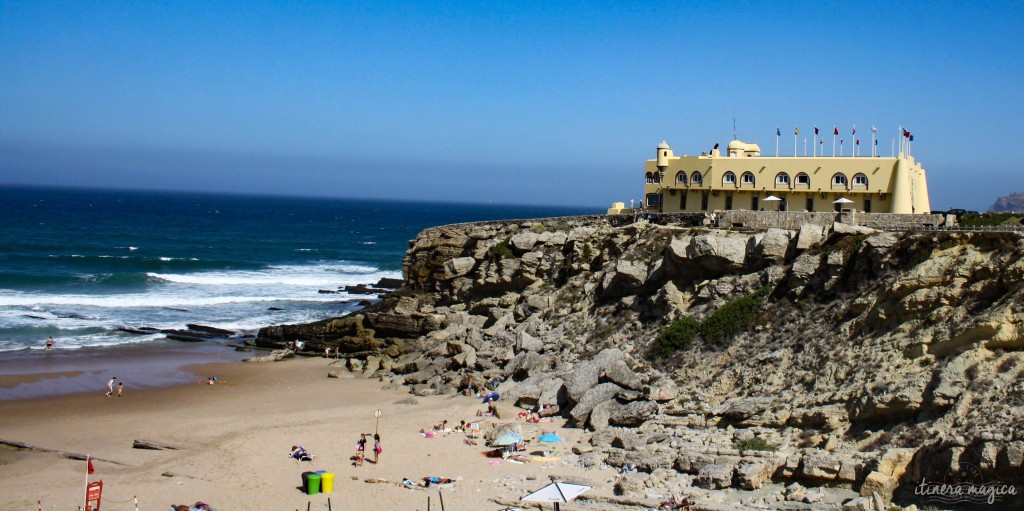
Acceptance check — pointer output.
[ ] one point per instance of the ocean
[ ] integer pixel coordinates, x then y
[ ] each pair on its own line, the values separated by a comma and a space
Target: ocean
78, 265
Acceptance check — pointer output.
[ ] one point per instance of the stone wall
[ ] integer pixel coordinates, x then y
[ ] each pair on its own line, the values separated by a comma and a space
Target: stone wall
794, 219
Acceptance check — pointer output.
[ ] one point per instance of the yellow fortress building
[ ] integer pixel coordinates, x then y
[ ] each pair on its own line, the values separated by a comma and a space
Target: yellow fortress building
743, 179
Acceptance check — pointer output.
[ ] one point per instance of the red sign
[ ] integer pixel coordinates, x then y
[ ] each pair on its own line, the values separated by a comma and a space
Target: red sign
92, 496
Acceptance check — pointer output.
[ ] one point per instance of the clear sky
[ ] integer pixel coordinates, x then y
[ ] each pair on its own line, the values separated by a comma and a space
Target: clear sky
512, 102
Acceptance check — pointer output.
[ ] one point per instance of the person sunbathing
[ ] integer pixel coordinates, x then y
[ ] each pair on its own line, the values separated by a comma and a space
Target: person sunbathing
437, 480
441, 426
300, 453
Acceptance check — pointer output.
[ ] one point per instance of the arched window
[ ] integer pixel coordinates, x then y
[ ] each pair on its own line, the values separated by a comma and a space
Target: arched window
650, 177
782, 179
860, 180
839, 179
747, 179
681, 178
729, 178
657, 177
696, 178
802, 179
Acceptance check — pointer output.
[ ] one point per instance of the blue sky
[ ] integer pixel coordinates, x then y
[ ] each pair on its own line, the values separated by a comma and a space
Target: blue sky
510, 102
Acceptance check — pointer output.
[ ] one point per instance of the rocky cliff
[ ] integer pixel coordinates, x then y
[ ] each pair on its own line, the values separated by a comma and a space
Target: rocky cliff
1013, 203
829, 355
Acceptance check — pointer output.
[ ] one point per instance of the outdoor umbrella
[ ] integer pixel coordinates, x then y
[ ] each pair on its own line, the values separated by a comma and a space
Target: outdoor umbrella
556, 492
550, 438
508, 438
841, 200
772, 198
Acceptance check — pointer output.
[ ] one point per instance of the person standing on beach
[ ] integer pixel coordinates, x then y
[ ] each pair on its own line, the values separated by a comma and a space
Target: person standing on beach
110, 386
120, 389
49, 344
377, 449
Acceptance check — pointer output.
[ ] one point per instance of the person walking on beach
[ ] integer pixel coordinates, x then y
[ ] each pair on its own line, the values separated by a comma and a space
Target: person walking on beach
377, 449
120, 389
110, 386
49, 344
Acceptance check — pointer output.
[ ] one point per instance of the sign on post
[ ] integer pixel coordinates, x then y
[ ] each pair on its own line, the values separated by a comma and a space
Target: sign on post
376, 427
93, 493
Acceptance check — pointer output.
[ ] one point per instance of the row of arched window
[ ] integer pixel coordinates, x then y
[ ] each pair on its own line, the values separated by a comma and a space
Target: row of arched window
747, 179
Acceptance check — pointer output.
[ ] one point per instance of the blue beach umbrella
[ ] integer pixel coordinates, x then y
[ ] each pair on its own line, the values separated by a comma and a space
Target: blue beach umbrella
508, 438
550, 438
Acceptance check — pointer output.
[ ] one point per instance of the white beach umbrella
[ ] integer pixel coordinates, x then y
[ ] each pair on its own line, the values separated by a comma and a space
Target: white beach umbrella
841, 200
772, 198
556, 492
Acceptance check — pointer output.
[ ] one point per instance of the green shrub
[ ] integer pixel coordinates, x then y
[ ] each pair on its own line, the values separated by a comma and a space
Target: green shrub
502, 251
978, 219
733, 317
754, 444
678, 336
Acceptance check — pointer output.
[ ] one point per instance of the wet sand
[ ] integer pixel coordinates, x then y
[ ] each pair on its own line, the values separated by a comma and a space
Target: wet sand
234, 440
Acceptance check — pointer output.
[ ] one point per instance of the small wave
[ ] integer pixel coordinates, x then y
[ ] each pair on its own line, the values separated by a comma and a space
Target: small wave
367, 242
307, 250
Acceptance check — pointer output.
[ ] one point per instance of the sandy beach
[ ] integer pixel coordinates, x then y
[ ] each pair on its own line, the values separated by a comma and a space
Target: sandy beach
235, 436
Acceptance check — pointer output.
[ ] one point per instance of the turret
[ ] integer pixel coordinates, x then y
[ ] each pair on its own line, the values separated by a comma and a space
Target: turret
664, 153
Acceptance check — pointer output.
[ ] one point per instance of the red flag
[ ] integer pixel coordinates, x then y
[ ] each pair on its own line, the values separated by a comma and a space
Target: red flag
91, 470
858, 141
835, 130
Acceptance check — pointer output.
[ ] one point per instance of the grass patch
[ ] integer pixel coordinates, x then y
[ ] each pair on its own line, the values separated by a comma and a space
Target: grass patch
754, 444
730, 319
981, 219
678, 336
733, 317
501, 250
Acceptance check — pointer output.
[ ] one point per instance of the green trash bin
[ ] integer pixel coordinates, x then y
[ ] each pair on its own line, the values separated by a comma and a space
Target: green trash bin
313, 484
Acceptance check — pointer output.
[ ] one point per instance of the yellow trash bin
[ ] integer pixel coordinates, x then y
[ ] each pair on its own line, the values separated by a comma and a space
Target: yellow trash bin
327, 482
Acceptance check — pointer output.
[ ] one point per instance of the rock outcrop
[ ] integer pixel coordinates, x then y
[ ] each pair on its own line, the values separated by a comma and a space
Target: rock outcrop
874, 359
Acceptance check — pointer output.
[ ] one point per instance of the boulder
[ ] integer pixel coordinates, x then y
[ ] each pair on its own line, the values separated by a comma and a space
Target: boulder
662, 391
633, 414
808, 235
458, 267
526, 364
878, 485
714, 476
527, 342
583, 377
751, 474
593, 397
524, 241
618, 372
820, 466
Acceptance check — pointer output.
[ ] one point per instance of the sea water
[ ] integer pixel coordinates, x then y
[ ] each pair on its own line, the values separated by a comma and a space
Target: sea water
80, 264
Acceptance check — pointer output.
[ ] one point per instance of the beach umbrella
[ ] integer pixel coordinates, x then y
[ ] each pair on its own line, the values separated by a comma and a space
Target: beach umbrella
841, 200
550, 438
772, 198
556, 492
508, 438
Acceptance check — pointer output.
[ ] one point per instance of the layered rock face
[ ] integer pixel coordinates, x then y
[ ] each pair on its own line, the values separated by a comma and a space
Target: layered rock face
877, 359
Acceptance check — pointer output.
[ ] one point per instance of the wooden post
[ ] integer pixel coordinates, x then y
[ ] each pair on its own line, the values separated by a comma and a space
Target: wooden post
439, 497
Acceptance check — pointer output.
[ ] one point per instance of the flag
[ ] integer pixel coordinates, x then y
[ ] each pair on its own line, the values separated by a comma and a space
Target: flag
835, 130
858, 141
876, 141
906, 134
911, 138
874, 129
777, 132
815, 131
821, 141
854, 130
89, 467
796, 131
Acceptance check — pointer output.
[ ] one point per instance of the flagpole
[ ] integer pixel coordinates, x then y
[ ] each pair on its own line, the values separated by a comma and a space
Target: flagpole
805, 147
777, 141
85, 493
796, 132
834, 130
